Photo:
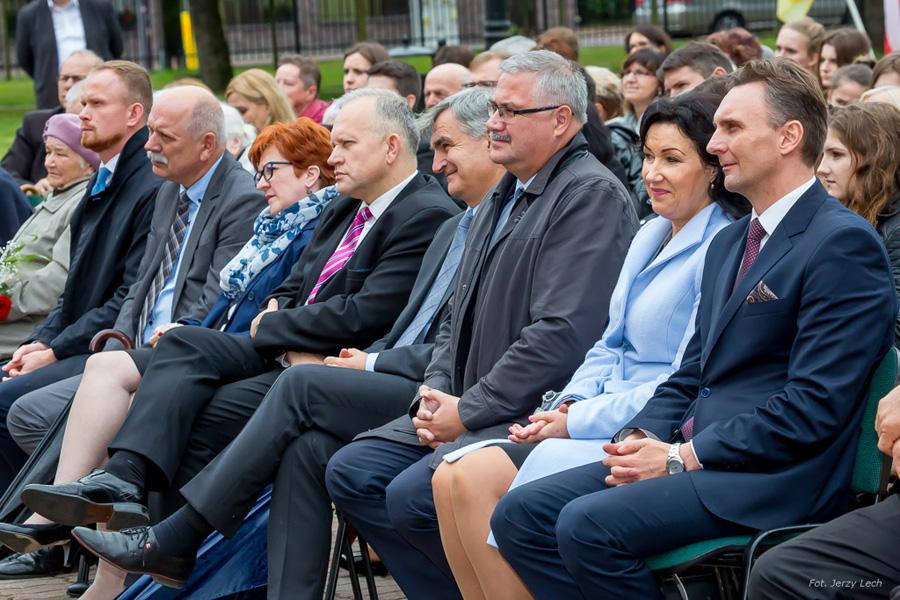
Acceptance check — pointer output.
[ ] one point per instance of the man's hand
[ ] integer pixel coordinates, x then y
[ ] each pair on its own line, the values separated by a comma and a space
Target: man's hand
895, 453
14, 367
887, 421
636, 459
544, 425
159, 331
438, 418
304, 358
349, 358
271, 307
37, 360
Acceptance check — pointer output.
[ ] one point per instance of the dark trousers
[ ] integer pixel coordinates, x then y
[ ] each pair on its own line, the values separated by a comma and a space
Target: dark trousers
566, 539
859, 549
384, 488
197, 378
11, 456
309, 413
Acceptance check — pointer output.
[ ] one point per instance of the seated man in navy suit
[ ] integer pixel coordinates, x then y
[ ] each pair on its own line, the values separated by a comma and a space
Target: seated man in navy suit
758, 427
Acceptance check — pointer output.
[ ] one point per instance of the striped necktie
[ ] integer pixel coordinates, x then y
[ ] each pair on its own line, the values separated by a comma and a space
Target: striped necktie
170, 257
343, 252
418, 328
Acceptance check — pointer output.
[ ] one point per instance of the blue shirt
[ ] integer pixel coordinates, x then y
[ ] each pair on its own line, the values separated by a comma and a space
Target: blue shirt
162, 308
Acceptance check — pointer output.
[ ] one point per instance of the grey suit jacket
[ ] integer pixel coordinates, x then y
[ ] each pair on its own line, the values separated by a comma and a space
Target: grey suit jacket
410, 361
526, 308
36, 42
222, 226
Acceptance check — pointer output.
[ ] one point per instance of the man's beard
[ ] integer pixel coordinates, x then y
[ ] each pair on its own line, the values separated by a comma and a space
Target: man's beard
98, 144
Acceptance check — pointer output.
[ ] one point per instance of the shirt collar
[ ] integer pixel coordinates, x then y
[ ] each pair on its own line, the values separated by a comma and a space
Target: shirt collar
382, 202
196, 192
773, 215
71, 4
111, 165
520, 185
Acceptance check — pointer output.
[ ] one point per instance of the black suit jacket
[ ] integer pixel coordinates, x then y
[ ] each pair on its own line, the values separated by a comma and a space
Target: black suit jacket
25, 158
223, 224
777, 388
109, 235
36, 42
364, 298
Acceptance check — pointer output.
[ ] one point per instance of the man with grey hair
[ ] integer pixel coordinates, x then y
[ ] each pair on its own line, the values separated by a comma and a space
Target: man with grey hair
203, 214
352, 281
542, 258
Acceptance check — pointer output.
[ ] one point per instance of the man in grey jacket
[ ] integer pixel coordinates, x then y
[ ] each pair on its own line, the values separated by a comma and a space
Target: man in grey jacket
531, 296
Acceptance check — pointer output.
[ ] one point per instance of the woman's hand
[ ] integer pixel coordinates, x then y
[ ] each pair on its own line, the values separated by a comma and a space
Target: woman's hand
544, 425
159, 331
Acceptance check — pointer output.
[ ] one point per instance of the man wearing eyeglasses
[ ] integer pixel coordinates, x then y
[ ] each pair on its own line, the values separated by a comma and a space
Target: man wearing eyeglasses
541, 261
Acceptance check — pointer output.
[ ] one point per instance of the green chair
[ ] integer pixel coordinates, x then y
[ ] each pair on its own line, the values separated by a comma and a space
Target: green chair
732, 557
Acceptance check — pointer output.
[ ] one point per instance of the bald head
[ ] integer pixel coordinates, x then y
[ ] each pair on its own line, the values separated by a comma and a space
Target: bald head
187, 133
444, 80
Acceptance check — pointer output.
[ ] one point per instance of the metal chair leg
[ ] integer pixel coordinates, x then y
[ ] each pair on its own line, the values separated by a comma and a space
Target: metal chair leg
83, 582
367, 567
334, 569
351, 565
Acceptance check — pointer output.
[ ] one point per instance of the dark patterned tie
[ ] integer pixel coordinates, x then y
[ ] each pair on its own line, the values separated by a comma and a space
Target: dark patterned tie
754, 236
170, 257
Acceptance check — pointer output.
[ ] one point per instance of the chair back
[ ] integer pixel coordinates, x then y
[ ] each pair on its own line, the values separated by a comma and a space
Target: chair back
872, 468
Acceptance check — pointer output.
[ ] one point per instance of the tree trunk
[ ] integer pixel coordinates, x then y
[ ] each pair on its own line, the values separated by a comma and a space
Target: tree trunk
872, 13
212, 48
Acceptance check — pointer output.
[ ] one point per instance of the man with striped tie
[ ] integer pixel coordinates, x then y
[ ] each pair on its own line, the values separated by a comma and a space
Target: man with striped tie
351, 283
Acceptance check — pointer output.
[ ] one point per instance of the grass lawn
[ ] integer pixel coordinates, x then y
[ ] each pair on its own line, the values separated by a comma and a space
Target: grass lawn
17, 97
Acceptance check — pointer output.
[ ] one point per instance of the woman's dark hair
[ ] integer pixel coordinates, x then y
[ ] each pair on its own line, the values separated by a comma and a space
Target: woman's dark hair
692, 113
657, 37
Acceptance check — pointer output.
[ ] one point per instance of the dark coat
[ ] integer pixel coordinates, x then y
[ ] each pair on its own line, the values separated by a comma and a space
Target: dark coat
525, 310
363, 299
223, 224
25, 158
36, 43
109, 235
14, 207
777, 387
889, 229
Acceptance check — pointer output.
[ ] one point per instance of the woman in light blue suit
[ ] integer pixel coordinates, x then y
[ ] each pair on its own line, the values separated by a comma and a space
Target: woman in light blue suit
651, 320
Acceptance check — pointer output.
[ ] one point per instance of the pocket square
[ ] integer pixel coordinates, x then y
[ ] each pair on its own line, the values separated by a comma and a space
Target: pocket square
761, 293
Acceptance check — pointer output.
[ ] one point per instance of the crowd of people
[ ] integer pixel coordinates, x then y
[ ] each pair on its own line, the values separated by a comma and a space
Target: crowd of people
523, 323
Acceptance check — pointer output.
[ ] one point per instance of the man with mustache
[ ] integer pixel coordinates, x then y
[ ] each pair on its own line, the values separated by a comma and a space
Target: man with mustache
109, 235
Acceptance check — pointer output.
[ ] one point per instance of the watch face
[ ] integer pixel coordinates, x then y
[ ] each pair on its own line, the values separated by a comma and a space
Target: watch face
674, 466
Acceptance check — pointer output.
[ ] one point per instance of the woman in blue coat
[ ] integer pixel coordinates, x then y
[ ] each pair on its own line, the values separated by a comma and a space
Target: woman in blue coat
651, 320
293, 173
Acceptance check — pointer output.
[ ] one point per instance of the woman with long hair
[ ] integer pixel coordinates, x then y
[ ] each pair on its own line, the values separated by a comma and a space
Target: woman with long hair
256, 95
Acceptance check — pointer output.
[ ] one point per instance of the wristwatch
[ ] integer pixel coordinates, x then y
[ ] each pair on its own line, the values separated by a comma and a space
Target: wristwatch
674, 464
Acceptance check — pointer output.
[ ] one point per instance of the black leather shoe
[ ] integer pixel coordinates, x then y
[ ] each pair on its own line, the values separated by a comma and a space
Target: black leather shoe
96, 498
45, 562
136, 550
28, 538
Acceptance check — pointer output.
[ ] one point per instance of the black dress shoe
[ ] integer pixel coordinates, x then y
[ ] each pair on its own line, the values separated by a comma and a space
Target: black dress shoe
136, 550
99, 497
28, 538
42, 563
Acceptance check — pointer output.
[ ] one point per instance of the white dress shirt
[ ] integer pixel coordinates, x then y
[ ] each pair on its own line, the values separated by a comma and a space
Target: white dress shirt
68, 28
773, 215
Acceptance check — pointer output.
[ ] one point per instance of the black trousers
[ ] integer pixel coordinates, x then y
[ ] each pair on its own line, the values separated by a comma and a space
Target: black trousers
197, 378
309, 413
854, 556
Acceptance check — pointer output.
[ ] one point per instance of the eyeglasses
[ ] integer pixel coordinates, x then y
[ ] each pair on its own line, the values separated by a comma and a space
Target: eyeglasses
268, 170
638, 73
507, 114
487, 84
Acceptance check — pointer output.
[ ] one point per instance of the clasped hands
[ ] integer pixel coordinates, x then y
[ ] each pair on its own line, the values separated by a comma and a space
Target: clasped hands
887, 425
437, 420
28, 358
638, 457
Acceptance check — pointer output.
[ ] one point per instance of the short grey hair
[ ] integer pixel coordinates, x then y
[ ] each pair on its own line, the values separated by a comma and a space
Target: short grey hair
74, 93
392, 114
470, 106
92, 57
557, 80
206, 115
235, 128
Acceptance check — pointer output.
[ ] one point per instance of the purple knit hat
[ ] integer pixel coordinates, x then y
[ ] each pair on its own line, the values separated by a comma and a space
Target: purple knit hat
67, 129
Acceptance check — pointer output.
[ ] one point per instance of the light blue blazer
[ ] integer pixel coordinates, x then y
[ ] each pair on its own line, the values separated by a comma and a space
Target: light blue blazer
651, 320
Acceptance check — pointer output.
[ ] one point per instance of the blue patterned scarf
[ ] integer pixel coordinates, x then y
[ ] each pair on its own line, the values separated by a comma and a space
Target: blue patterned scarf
271, 235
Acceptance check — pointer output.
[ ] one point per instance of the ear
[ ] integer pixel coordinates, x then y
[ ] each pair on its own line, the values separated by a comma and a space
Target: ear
312, 175
718, 71
208, 144
563, 118
135, 115
394, 148
790, 137
411, 101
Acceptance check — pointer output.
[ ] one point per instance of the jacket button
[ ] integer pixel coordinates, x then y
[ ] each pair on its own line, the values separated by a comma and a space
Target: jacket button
704, 392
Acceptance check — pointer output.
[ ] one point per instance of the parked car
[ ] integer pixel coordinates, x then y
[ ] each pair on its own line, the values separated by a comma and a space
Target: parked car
699, 17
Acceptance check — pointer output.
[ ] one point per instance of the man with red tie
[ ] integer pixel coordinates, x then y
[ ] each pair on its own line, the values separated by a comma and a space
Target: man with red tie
759, 426
351, 283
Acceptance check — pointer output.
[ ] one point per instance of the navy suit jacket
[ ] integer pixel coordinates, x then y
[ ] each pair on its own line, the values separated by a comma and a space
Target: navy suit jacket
777, 388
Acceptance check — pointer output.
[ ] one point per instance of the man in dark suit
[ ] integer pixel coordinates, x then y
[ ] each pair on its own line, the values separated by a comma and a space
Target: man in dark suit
351, 283
25, 157
48, 33
313, 410
203, 215
542, 259
758, 428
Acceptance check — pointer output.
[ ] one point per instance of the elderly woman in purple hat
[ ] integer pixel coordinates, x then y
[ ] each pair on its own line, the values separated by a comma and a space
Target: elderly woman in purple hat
43, 240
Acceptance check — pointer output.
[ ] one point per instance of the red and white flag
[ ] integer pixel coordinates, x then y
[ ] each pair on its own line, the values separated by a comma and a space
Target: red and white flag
891, 25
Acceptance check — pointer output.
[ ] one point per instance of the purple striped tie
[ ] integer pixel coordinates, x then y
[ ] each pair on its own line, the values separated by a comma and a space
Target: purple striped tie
343, 252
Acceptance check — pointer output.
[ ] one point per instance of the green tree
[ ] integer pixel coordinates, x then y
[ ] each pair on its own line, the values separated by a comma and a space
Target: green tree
212, 48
